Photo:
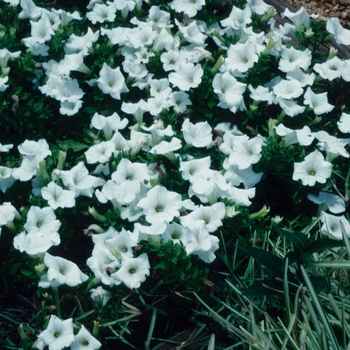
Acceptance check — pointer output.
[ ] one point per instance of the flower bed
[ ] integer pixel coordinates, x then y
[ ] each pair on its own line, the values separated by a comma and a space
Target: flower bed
174, 165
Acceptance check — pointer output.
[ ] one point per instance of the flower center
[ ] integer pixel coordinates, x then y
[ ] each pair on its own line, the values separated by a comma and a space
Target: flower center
56, 334
312, 172
159, 208
132, 270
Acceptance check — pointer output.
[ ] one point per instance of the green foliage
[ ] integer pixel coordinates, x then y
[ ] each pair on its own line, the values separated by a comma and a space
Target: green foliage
177, 268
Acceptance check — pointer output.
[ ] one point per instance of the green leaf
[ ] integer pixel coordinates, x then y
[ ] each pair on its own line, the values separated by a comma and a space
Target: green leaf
272, 262
264, 288
343, 264
322, 244
299, 239
70, 144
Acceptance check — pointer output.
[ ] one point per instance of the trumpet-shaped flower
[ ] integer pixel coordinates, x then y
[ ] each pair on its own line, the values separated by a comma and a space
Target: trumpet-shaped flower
70, 108
334, 225
290, 107
211, 215
172, 60
6, 178
102, 13
241, 57
192, 32
100, 297
238, 18
179, 100
300, 19
245, 151
328, 201
197, 135
160, 204
128, 171
288, 89
41, 30
313, 169
190, 8
230, 92
36, 242
41, 220
331, 69
111, 81
108, 124
186, 76
301, 77
61, 271
100, 153
85, 341
167, 148
237, 176
133, 271
303, 137
201, 243
57, 197
292, 58
3, 82
78, 180
333, 145
76, 44
261, 93
8, 213
194, 167
341, 35
30, 10
58, 334
344, 123
318, 102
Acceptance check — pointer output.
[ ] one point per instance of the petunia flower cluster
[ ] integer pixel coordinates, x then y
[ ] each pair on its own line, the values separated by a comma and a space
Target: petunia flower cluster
154, 130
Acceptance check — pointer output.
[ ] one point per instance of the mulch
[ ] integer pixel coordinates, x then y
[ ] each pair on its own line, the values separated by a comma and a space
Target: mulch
281, 5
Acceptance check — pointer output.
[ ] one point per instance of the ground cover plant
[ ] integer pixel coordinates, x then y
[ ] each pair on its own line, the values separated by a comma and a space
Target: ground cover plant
173, 175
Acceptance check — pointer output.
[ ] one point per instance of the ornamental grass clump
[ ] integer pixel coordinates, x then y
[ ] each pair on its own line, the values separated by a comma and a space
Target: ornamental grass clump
173, 174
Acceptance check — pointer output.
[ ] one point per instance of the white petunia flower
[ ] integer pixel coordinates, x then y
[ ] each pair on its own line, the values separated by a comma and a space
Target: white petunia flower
58, 334
201, 243
111, 81
300, 19
211, 215
288, 89
333, 225
331, 69
328, 201
238, 18
318, 102
85, 341
160, 204
133, 271
292, 58
189, 7
186, 76
61, 271
197, 135
341, 35
102, 13
313, 169
344, 123
57, 197
230, 92
78, 180
100, 297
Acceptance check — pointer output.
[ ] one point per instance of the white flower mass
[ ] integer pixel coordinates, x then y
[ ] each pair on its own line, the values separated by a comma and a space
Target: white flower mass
149, 158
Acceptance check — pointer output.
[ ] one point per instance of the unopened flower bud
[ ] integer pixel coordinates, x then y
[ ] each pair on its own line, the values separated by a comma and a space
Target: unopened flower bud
96, 215
260, 214
277, 219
